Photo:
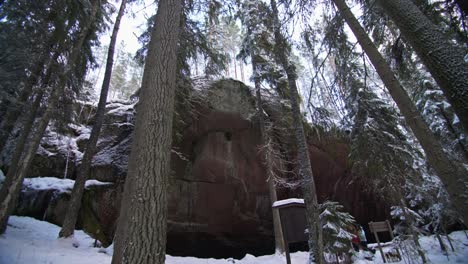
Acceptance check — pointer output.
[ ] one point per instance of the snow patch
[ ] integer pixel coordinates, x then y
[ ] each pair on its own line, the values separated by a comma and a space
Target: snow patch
120, 109
28, 240
62, 185
288, 201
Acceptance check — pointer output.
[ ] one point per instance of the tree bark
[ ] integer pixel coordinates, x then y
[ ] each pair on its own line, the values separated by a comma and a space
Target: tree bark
68, 226
31, 116
43, 63
20, 144
278, 231
444, 60
452, 175
141, 236
9, 192
303, 159
15, 110
27, 125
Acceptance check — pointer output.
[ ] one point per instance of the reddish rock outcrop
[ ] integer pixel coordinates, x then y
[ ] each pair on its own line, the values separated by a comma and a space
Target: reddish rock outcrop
218, 198
331, 168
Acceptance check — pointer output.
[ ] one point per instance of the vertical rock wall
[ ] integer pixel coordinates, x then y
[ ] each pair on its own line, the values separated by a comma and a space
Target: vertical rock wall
218, 198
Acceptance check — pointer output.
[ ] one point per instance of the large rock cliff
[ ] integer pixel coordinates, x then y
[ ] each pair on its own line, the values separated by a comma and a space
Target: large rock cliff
219, 202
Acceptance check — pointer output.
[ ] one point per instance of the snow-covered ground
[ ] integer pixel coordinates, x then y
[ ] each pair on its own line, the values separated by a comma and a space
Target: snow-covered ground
32, 241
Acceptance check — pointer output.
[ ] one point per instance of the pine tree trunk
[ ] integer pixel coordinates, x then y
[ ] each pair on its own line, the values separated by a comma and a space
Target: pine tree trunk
143, 221
278, 231
235, 65
452, 175
27, 125
20, 144
242, 71
305, 168
44, 62
443, 59
305, 172
68, 226
14, 111
29, 119
10, 192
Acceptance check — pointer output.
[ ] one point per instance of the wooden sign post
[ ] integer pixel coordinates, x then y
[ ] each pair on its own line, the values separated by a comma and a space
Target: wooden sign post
293, 222
376, 227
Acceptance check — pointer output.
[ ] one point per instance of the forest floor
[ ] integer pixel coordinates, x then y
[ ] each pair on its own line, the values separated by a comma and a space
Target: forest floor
28, 240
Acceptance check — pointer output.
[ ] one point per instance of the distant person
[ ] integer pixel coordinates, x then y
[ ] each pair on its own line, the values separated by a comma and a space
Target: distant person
362, 237
356, 242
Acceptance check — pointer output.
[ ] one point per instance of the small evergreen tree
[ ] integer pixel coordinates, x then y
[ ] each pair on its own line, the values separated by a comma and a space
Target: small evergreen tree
335, 224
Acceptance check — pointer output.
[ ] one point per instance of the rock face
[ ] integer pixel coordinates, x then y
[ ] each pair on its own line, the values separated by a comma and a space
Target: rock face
219, 202
219, 197
334, 181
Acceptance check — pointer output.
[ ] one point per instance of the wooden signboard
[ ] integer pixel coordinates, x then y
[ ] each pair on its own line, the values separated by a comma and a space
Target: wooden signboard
376, 227
293, 222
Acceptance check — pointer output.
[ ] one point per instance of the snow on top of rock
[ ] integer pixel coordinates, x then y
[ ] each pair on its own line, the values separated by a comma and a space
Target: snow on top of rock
288, 201
52, 183
53, 143
119, 108
82, 102
48, 183
201, 83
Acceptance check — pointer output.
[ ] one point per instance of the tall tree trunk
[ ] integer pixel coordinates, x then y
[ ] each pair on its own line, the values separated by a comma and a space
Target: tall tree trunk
141, 236
68, 226
443, 59
14, 111
242, 71
27, 125
235, 65
453, 175
303, 159
9, 192
279, 241
43, 63
31, 116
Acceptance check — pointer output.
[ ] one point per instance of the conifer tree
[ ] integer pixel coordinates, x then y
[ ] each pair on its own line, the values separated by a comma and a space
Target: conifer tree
254, 16
444, 59
74, 205
282, 52
141, 233
335, 224
30, 50
14, 178
453, 175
